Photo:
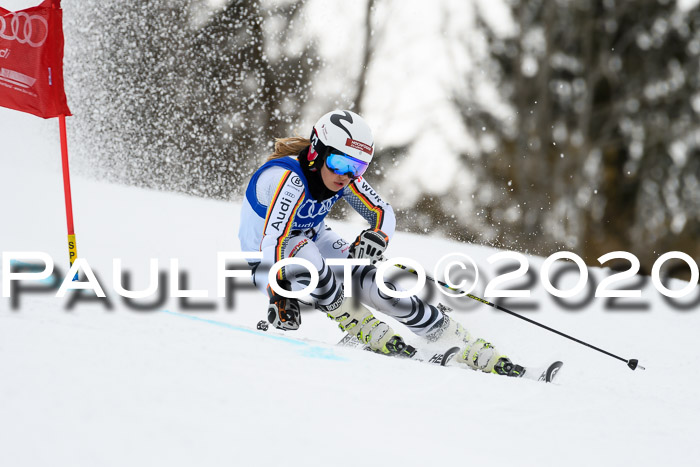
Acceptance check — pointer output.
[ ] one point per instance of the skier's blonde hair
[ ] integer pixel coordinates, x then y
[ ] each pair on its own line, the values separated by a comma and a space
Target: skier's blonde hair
290, 146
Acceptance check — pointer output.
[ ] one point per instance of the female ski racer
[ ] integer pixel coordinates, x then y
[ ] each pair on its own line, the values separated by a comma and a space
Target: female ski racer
286, 202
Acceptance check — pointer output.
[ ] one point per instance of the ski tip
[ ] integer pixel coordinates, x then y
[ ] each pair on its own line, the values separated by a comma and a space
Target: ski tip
551, 372
447, 356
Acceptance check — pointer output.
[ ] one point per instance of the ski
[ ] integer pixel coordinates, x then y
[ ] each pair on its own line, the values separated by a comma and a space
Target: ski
430, 356
545, 374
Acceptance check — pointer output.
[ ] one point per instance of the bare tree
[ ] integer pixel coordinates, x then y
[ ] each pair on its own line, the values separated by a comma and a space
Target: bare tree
604, 153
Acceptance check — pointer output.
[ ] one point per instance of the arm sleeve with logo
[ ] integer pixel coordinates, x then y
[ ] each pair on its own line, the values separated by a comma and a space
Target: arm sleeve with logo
286, 199
363, 199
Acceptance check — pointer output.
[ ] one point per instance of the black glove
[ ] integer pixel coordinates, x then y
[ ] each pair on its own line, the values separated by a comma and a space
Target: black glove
370, 244
282, 312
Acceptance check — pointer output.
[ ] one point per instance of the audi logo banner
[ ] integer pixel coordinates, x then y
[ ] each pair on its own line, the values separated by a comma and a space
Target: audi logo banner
31, 60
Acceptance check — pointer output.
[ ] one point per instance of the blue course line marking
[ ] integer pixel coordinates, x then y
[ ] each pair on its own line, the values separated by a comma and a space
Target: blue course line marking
33, 268
305, 349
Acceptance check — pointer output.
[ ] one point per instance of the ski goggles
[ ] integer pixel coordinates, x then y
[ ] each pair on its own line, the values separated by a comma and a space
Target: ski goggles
342, 164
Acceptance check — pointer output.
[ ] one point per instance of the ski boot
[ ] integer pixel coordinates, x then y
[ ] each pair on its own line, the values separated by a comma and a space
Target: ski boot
360, 322
475, 353
282, 312
481, 355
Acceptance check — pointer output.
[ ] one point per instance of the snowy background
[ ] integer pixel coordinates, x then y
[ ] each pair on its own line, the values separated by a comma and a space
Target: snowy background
92, 385
86, 382
549, 125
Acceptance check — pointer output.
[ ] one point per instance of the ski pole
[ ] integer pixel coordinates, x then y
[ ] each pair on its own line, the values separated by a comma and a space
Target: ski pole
633, 363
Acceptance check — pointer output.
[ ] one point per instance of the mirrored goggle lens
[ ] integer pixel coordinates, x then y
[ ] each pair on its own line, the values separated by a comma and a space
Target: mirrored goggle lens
342, 164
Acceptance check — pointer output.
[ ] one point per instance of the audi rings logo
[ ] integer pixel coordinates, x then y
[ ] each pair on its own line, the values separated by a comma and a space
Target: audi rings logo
25, 29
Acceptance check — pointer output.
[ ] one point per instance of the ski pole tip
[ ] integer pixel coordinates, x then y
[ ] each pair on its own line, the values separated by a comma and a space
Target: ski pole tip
633, 363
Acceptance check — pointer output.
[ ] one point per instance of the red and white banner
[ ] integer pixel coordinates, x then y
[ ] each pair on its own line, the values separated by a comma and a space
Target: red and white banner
31, 60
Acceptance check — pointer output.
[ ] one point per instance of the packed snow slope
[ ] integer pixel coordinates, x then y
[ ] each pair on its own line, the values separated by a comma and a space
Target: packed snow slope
193, 383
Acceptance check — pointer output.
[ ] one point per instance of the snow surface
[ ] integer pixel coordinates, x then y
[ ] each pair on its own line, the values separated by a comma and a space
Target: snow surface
173, 386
